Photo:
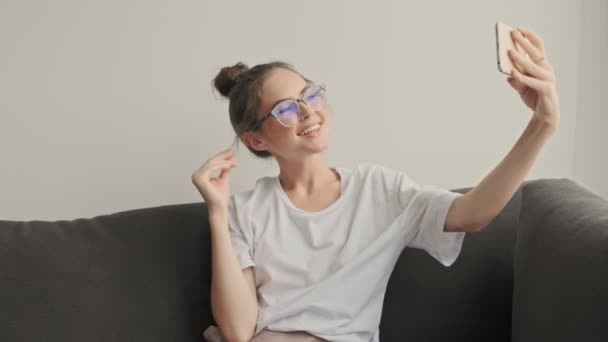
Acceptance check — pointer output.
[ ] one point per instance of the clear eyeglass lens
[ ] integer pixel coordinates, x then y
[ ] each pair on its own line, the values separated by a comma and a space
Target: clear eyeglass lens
287, 112
315, 98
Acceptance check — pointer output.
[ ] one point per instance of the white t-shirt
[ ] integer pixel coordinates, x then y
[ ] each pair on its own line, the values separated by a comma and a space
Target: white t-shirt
326, 272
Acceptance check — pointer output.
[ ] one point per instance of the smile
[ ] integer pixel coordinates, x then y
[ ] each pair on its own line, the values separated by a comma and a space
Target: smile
310, 130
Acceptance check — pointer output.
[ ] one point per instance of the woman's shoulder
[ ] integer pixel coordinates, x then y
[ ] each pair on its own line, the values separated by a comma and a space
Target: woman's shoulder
263, 186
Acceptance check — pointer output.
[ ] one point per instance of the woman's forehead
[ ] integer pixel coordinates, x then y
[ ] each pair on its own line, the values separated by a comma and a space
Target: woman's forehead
280, 84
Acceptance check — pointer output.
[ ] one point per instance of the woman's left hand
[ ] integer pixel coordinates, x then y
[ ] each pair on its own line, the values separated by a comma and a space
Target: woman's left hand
534, 77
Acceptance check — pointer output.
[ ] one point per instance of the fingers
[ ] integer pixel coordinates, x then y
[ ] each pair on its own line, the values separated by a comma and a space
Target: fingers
220, 164
530, 67
517, 85
227, 153
534, 52
225, 172
534, 83
213, 164
534, 39
225, 157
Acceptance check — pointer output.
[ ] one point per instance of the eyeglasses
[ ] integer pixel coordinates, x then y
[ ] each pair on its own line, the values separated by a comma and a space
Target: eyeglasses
287, 112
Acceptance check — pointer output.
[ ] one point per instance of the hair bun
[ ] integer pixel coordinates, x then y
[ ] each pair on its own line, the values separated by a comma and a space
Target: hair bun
228, 77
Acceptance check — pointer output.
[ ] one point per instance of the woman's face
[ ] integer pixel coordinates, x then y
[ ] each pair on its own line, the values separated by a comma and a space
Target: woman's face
288, 142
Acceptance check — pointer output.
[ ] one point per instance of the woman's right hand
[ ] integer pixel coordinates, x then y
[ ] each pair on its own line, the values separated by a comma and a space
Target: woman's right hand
215, 191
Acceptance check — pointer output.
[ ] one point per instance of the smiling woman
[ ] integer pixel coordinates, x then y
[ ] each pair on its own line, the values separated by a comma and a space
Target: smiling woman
283, 251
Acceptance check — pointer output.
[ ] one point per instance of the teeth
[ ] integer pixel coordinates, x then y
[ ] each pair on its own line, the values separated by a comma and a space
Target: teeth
310, 129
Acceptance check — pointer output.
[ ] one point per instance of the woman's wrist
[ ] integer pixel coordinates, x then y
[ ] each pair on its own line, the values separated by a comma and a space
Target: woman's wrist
217, 212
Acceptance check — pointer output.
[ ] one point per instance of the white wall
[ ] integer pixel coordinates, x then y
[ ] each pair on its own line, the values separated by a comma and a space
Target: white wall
591, 155
107, 105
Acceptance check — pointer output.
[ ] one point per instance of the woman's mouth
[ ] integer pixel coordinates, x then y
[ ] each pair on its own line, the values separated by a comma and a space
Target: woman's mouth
312, 131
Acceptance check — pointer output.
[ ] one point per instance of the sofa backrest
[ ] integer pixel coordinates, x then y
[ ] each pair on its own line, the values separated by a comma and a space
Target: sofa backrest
470, 300
144, 274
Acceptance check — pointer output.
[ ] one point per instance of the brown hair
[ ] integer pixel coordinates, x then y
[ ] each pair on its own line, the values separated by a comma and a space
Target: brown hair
242, 86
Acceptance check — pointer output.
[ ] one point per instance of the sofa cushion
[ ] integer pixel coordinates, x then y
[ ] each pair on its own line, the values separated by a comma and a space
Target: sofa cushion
138, 275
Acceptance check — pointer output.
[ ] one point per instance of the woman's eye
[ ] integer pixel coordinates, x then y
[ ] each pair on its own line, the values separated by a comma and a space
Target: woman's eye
313, 95
286, 108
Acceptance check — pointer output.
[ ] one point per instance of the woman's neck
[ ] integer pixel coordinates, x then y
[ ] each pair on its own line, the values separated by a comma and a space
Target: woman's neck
307, 176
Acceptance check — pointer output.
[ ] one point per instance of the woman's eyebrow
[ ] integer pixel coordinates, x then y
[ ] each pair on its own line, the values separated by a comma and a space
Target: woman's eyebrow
290, 98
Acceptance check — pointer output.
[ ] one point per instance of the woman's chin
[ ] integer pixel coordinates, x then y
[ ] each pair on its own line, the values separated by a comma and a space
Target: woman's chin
318, 148
318, 144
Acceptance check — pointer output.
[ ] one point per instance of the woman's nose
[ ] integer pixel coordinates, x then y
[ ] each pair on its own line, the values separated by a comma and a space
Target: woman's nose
305, 110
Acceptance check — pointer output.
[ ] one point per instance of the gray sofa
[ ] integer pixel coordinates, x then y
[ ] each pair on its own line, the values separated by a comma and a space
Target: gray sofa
539, 272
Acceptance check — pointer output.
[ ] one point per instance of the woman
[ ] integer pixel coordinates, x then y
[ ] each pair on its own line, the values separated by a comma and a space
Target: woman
306, 255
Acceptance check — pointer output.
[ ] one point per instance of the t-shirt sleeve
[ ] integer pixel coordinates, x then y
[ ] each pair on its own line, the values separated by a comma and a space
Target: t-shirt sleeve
241, 236
425, 209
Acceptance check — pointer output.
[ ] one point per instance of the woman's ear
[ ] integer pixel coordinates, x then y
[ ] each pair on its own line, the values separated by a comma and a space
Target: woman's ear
252, 140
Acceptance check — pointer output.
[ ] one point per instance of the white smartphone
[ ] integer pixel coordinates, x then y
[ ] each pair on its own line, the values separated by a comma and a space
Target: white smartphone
504, 42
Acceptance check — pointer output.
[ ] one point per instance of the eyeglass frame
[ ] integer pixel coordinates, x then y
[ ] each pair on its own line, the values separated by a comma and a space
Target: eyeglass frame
258, 122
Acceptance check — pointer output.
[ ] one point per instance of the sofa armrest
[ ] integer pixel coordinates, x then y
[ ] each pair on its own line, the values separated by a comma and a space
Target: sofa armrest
561, 264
